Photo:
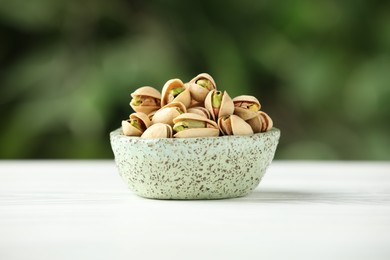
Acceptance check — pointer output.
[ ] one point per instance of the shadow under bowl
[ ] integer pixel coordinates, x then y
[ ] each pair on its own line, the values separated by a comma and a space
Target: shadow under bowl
194, 168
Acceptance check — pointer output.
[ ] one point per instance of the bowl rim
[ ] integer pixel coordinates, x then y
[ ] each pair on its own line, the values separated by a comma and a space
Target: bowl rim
117, 133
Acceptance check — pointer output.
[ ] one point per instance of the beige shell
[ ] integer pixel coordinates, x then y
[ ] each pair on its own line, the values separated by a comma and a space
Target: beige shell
242, 111
266, 121
234, 125
184, 97
146, 92
255, 123
226, 108
130, 130
200, 111
199, 93
167, 113
151, 114
195, 103
158, 130
196, 132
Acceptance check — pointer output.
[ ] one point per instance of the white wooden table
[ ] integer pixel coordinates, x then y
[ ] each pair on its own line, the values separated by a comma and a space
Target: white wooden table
301, 210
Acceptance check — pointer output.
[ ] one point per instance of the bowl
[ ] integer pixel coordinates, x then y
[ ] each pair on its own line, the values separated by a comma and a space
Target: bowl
194, 168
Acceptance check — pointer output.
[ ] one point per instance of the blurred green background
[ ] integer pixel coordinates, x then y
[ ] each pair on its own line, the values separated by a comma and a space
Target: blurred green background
321, 70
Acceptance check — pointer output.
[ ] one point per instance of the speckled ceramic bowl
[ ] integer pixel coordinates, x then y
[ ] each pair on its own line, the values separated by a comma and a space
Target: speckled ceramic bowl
194, 168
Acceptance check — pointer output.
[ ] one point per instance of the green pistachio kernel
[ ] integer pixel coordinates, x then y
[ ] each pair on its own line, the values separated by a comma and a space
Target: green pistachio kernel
176, 91
136, 101
205, 83
188, 123
177, 128
135, 123
253, 107
217, 99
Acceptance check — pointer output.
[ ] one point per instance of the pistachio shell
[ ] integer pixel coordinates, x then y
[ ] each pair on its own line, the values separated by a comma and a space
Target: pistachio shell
234, 125
241, 109
158, 130
151, 114
211, 130
246, 98
200, 111
244, 113
195, 103
204, 76
147, 91
266, 121
142, 117
198, 92
167, 113
177, 104
226, 108
145, 109
130, 130
193, 116
255, 123
197, 132
184, 97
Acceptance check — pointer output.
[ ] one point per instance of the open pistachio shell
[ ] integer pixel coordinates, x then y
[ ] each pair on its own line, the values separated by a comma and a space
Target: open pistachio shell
158, 130
234, 125
129, 129
246, 106
219, 104
167, 113
197, 132
151, 114
266, 121
201, 126
255, 123
145, 99
200, 86
200, 111
195, 103
147, 91
174, 90
136, 124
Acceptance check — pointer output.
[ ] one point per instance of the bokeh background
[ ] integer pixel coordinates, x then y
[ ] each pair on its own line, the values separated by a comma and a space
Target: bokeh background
321, 70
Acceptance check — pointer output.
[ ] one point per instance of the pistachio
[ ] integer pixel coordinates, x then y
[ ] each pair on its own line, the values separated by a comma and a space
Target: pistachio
174, 93
158, 130
200, 111
255, 123
246, 106
194, 125
167, 113
219, 104
175, 90
205, 83
188, 123
136, 124
200, 86
145, 99
234, 125
266, 121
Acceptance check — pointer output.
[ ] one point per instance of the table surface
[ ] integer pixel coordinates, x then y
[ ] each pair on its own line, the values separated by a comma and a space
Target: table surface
300, 210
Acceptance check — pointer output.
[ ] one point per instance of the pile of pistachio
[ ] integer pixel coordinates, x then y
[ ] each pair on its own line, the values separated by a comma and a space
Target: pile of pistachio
193, 109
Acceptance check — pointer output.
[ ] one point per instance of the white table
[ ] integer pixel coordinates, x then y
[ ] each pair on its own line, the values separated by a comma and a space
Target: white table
301, 210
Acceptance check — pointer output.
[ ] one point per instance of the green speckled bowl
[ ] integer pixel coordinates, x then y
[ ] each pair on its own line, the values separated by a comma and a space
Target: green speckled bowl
194, 168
